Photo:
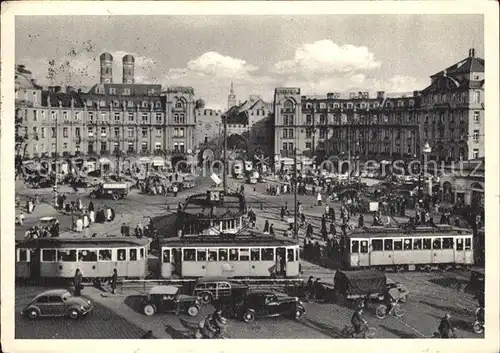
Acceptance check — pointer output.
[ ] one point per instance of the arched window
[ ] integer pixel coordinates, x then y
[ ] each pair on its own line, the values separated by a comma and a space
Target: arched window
179, 104
288, 106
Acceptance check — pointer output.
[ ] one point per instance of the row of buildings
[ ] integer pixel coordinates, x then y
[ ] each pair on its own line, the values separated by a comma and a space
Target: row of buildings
145, 119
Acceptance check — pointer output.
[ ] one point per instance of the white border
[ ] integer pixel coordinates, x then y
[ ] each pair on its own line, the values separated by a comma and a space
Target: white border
492, 195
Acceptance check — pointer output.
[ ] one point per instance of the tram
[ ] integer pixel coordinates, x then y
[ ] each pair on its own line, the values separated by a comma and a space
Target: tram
242, 256
402, 249
58, 258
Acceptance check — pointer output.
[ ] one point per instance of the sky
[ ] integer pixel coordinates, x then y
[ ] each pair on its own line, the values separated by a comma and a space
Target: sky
319, 54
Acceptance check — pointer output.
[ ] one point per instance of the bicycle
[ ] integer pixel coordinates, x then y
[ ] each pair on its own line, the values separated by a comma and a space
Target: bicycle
349, 332
396, 310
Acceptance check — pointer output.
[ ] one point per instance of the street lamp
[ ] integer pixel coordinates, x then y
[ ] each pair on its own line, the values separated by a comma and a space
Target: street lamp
425, 151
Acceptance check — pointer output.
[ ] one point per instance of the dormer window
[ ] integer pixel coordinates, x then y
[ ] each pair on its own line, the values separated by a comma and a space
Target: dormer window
178, 104
144, 104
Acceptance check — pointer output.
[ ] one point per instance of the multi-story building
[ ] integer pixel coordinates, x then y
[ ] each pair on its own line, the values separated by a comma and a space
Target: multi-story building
452, 111
385, 127
111, 118
208, 126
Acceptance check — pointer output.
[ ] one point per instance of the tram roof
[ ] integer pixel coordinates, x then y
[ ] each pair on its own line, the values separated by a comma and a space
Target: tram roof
393, 232
227, 241
110, 242
201, 206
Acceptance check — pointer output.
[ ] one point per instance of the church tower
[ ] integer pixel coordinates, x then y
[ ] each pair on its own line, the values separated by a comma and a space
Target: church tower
231, 98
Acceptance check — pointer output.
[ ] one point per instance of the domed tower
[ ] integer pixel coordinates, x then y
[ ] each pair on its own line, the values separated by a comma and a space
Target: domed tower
106, 68
128, 69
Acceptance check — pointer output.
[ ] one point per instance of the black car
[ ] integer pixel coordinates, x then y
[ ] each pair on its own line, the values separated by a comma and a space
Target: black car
268, 304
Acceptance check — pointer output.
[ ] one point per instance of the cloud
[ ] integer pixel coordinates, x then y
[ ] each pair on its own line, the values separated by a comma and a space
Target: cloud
215, 64
325, 57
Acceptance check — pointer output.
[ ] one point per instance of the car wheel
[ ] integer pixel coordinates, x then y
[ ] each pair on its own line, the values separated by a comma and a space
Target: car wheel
33, 314
193, 311
299, 314
148, 310
74, 314
249, 316
206, 298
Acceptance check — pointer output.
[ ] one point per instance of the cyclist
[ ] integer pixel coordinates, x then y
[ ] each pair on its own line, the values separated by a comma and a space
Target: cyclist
445, 328
389, 300
357, 321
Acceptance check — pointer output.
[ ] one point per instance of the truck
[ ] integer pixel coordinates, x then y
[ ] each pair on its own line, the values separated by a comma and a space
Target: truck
114, 190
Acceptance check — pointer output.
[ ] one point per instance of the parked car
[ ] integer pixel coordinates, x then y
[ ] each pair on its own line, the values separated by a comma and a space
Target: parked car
261, 304
209, 289
168, 299
57, 303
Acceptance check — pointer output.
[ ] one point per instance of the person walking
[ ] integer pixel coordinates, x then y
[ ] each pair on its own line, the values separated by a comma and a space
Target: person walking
114, 281
77, 282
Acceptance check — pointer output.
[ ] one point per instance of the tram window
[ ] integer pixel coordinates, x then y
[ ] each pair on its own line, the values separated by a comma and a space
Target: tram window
267, 254
387, 244
355, 246
417, 244
398, 245
255, 254
427, 244
460, 244
166, 256
289, 255
468, 243
23, 255
87, 255
105, 255
133, 254
244, 255
201, 255
364, 246
48, 255
189, 254
66, 255
233, 254
224, 225
141, 253
377, 245
297, 254
436, 244
212, 255
121, 254
222, 254
231, 224
407, 244
447, 243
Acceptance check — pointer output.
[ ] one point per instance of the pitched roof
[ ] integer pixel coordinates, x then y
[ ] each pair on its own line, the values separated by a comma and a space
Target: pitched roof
63, 97
470, 64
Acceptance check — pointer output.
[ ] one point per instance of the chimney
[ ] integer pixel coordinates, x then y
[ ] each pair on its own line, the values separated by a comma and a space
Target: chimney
380, 94
472, 53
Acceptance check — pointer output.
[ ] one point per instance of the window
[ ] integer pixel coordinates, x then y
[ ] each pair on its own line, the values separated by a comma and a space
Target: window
105, 255
181, 147
66, 255
90, 131
212, 254
476, 117
255, 254
23, 255
181, 118
477, 97
43, 300
308, 145
468, 243
87, 255
158, 118
222, 254
144, 132
201, 255
48, 255
181, 132
398, 245
267, 254
426, 244
290, 255
91, 116
42, 114
178, 104
377, 245
117, 131
55, 299
103, 131
233, 254
475, 136
117, 116
130, 116
189, 254
34, 115
144, 147
77, 131
460, 244
475, 153
157, 146
364, 246
290, 133
121, 254
354, 246
447, 243
132, 254
166, 256
244, 254
65, 116
53, 114
407, 244
104, 116
308, 120
144, 118
436, 244
322, 133
417, 244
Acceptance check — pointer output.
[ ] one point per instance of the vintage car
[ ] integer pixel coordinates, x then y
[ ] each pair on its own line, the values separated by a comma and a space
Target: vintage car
259, 304
57, 303
209, 289
114, 190
168, 299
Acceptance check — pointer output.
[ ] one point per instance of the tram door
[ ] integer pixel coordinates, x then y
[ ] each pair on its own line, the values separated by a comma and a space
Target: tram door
280, 261
459, 250
35, 263
176, 262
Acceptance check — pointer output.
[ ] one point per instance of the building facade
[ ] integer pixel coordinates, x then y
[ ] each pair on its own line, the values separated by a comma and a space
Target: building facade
384, 127
208, 126
110, 119
452, 110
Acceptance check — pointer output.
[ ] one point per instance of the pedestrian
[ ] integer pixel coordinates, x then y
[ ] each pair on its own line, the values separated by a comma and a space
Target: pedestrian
175, 189
122, 229
266, 227
77, 282
319, 199
114, 280
21, 218
271, 229
361, 221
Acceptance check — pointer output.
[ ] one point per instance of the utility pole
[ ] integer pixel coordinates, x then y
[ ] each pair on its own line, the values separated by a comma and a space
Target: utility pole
55, 156
349, 153
224, 175
118, 156
295, 223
